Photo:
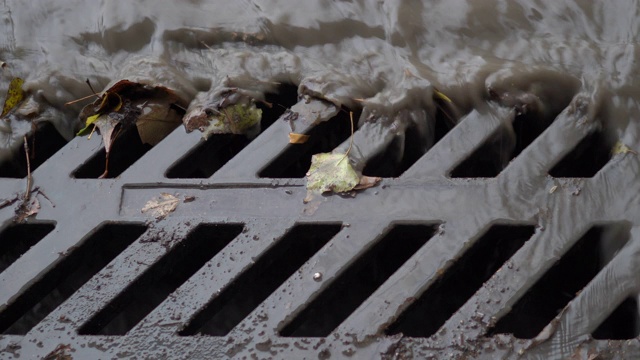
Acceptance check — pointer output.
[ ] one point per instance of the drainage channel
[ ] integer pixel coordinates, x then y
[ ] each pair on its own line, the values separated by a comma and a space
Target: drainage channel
457, 251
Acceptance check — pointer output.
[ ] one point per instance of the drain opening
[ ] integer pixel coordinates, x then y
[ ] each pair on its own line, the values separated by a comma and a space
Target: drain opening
351, 288
43, 143
586, 159
17, 239
622, 324
252, 287
295, 160
447, 294
391, 163
560, 284
125, 151
161, 279
209, 156
73, 271
500, 148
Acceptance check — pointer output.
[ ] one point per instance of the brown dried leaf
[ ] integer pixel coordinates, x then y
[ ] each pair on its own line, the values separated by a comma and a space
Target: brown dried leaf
295, 138
367, 182
156, 122
161, 206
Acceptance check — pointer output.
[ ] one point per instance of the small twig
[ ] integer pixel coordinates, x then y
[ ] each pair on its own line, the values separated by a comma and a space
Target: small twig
205, 45
86, 97
91, 87
7, 202
92, 131
78, 100
27, 193
351, 140
45, 196
346, 154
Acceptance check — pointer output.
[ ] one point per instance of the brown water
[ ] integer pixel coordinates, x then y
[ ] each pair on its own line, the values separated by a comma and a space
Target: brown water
390, 54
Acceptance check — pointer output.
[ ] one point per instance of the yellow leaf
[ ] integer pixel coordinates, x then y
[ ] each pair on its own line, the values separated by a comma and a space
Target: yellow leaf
620, 148
295, 138
441, 96
87, 129
14, 95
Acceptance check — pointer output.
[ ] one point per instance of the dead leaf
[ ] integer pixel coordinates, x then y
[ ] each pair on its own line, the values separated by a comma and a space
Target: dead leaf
27, 208
331, 172
295, 138
15, 95
162, 206
441, 96
367, 182
156, 122
33, 207
155, 110
239, 119
620, 148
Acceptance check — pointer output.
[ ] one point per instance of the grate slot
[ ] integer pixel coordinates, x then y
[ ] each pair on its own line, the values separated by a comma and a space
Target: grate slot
586, 159
502, 147
622, 324
251, 288
209, 156
125, 151
294, 162
355, 284
560, 284
73, 271
43, 143
442, 299
17, 239
161, 279
386, 164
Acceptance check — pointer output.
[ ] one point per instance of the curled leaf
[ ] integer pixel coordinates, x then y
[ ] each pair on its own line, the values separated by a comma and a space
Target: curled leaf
156, 121
439, 95
295, 138
331, 172
367, 182
235, 119
15, 94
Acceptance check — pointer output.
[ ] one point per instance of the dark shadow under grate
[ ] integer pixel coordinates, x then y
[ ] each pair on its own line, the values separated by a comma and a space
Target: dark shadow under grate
356, 283
560, 284
442, 299
253, 286
67, 276
161, 279
17, 239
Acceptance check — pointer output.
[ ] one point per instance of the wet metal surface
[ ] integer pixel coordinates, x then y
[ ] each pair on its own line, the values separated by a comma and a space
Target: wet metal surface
519, 107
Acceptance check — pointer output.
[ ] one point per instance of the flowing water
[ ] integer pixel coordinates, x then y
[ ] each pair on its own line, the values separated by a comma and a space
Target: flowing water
386, 55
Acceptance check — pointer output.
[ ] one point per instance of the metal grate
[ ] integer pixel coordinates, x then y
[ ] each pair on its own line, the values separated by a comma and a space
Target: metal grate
457, 253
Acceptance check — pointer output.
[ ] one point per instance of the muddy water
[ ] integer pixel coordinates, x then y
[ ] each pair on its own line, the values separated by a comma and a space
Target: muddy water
389, 54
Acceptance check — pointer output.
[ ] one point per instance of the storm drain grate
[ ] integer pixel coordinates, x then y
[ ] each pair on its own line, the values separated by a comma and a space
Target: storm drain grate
205, 249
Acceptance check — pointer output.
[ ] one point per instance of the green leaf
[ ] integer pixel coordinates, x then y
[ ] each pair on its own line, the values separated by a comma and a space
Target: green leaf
236, 119
331, 172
